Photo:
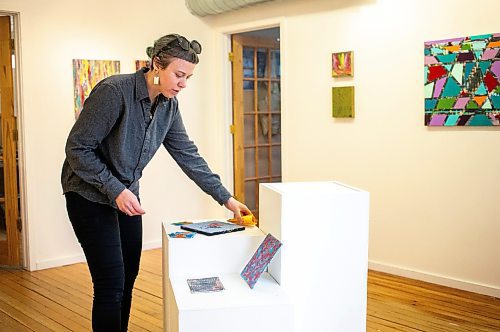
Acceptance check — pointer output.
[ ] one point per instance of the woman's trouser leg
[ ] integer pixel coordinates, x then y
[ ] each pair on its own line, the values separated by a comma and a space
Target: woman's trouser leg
131, 240
112, 245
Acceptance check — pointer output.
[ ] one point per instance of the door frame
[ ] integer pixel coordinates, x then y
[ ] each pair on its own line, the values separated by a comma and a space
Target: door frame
21, 172
224, 36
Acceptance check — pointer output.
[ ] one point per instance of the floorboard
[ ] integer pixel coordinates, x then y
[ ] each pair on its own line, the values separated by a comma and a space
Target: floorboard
60, 299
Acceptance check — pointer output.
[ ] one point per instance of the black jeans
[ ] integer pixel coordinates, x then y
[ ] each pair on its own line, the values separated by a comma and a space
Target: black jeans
112, 243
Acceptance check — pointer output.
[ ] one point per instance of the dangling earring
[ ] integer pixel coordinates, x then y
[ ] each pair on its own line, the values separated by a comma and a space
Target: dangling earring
156, 79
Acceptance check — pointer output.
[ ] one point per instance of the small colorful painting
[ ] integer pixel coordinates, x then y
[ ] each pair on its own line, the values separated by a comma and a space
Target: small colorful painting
343, 102
182, 235
205, 285
342, 64
260, 260
180, 223
142, 63
86, 74
462, 81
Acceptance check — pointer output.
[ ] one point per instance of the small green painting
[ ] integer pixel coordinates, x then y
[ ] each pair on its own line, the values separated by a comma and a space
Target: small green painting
343, 102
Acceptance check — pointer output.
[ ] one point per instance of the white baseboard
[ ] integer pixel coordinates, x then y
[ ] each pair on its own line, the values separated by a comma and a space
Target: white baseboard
151, 245
57, 262
435, 279
49, 263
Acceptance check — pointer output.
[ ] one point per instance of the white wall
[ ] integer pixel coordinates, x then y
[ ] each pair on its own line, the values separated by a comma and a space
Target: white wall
54, 32
435, 191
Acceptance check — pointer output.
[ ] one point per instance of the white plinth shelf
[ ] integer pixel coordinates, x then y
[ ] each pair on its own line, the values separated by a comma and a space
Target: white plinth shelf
323, 263
316, 282
237, 307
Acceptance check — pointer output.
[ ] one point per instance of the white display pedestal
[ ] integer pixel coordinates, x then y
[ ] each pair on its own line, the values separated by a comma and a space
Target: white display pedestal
237, 308
323, 263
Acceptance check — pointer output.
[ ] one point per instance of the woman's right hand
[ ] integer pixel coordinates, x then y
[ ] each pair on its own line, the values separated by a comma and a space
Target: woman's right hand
128, 203
239, 209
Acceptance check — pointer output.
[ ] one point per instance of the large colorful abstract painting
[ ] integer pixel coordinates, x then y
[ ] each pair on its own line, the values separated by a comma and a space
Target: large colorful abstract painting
462, 81
86, 74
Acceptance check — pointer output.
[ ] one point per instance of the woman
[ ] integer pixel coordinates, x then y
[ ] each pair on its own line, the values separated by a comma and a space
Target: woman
123, 122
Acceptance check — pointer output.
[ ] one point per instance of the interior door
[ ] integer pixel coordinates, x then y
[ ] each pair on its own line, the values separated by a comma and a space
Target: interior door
9, 204
256, 114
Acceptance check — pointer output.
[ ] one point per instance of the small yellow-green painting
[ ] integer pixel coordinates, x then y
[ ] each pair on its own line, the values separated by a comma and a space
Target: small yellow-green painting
343, 102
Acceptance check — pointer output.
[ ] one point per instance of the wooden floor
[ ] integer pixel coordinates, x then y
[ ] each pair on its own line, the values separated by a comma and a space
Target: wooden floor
60, 299
402, 304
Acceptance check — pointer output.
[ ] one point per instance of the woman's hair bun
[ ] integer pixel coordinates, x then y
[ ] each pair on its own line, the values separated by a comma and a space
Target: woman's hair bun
150, 52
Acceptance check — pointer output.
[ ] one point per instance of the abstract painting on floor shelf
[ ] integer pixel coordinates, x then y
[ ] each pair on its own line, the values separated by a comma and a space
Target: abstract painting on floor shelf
260, 260
86, 74
462, 81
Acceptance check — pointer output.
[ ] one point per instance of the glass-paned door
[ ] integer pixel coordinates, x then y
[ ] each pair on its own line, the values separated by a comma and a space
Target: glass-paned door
256, 114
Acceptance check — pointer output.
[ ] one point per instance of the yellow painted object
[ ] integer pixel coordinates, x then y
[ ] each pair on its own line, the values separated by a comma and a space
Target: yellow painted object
248, 220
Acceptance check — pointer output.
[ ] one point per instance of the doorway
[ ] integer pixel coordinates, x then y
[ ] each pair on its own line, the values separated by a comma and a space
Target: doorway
256, 75
10, 223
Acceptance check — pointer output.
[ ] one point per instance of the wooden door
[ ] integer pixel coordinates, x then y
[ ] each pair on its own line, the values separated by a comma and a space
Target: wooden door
9, 205
256, 115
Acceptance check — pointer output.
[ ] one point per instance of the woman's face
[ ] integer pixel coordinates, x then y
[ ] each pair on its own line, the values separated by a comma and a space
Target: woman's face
174, 77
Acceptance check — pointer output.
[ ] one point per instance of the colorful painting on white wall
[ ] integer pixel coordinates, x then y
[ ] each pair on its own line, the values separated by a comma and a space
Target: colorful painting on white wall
342, 64
86, 74
142, 63
343, 102
462, 81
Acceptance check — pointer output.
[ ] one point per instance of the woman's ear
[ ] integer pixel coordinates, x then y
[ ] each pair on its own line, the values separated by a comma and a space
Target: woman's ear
156, 67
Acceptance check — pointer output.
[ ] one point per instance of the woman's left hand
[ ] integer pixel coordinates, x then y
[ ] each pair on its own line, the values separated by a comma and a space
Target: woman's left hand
237, 208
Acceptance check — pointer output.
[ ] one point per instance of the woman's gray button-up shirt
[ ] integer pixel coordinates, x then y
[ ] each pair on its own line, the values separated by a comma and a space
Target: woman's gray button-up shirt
116, 136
